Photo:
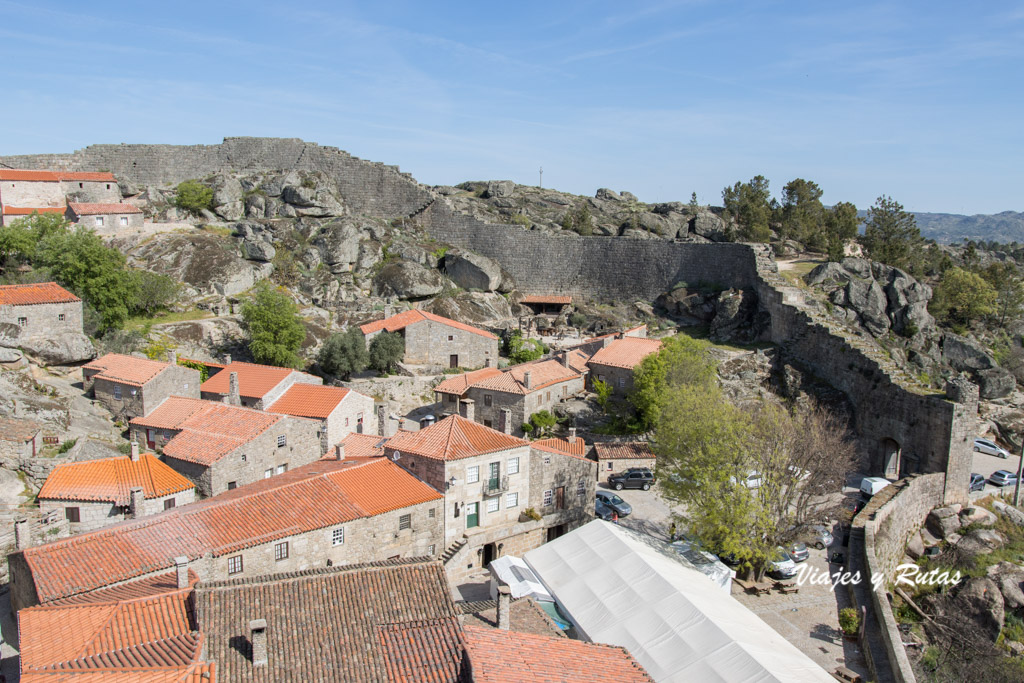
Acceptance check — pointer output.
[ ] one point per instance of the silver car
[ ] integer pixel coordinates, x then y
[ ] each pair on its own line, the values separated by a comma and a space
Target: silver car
781, 564
990, 448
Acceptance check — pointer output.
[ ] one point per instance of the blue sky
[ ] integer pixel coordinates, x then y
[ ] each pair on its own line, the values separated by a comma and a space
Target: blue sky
918, 100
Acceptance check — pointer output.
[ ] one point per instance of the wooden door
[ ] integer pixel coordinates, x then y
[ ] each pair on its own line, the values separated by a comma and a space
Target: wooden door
453, 360
560, 498
472, 515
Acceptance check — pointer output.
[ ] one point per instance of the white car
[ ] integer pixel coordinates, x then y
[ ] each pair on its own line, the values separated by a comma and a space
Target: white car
751, 481
989, 448
781, 564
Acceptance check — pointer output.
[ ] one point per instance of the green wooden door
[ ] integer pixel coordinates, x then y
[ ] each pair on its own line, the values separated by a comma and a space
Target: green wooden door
494, 476
472, 515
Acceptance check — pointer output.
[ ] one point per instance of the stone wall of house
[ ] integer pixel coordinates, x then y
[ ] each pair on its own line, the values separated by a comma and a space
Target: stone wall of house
13, 452
520, 406
431, 343
44, 320
620, 379
91, 191
98, 514
576, 476
109, 223
31, 193
610, 466
345, 419
129, 401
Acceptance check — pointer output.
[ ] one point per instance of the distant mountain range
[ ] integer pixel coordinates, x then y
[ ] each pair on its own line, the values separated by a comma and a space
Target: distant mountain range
951, 228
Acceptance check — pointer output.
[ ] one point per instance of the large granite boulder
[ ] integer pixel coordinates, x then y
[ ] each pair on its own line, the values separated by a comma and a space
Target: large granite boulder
497, 189
472, 271
209, 263
338, 243
65, 348
827, 273
407, 280
472, 307
312, 200
258, 250
227, 198
995, 382
943, 521
964, 354
1010, 578
978, 606
868, 300
709, 226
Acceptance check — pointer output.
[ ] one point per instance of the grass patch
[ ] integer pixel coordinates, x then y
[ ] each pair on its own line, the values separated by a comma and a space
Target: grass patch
142, 324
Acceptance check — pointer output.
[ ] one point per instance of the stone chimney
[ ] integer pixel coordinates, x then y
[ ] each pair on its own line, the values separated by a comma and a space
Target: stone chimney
488, 363
528, 380
565, 359
606, 341
137, 495
233, 396
504, 606
227, 359
467, 408
339, 451
135, 451
258, 638
387, 311
22, 535
506, 420
172, 357
572, 435
181, 571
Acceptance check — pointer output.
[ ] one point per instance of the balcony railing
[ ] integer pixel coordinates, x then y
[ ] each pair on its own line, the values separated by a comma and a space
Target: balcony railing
495, 485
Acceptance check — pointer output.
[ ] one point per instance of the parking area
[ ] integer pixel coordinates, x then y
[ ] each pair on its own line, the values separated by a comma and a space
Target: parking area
985, 465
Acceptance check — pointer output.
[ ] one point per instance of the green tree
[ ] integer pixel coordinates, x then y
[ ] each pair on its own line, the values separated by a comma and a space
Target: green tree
386, 351
579, 220
693, 207
1006, 281
841, 223
344, 353
748, 204
154, 292
521, 350
194, 197
681, 360
891, 234
803, 215
604, 394
963, 297
578, 319
275, 329
542, 422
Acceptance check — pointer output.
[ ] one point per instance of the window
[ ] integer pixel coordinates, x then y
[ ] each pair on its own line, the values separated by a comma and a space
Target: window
232, 485
99, 221
281, 551
124, 221
513, 466
609, 465
60, 317
23, 322
548, 397
169, 503
108, 186
548, 495
282, 440
622, 383
80, 186
547, 459
235, 565
72, 515
472, 474
117, 392
404, 522
281, 469
452, 398
451, 337
346, 422
512, 499
267, 474
431, 549
581, 488
488, 400
431, 513
487, 423
338, 536
493, 504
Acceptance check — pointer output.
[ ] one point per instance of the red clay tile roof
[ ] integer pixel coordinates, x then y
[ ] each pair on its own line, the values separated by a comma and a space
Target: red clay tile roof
29, 210
207, 430
53, 176
41, 293
578, 361
631, 332
199, 672
543, 373
97, 176
389, 622
111, 479
621, 451
314, 496
459, 383
499, 656
542, 299
102, 209
524, 615
406, 318
577, 449
18, 431
453, 438
254, 381
309, 400
627, 352
154, 631
360, 446
149, 587
123, 369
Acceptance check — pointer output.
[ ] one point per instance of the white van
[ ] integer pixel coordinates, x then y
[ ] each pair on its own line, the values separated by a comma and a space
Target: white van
869, 486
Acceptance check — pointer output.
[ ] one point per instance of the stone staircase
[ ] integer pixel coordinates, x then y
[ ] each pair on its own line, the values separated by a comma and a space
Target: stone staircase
453, 550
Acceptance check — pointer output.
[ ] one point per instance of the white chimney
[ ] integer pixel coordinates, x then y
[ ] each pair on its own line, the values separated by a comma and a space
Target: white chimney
227, 359
504, 607
172, 357
135, 451
181, 571
22, 535
137, 495
572, 435
258, 638
468, 408
233, 396
339, 451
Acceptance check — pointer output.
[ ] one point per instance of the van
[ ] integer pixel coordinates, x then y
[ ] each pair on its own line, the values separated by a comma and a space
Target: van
869, 486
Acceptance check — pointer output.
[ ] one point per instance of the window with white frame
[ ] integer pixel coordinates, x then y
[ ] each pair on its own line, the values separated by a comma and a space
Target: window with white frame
622, 383
512, 499
267, 474
235, 565
494, 504
404, 522
513, 466
581, 488
23, 322
117, 392
281, 469
548, 497
124, 221
472, 474
281, 551
282, 440
609, 465
338, 536
431, 549
99, 221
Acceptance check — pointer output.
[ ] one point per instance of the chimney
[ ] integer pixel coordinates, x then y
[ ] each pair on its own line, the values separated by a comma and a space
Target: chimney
488, 363
572, 435
172, 357
528, 380
339, 451
22, 535
504, 606
233, 396
468, 408
227, 359
181, 570
565, 359
258, 638
506, 420
135, 451
387, 311
606, 341
135, 502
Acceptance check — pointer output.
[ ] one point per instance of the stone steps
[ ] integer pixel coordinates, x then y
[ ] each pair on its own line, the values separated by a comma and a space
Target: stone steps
451, 551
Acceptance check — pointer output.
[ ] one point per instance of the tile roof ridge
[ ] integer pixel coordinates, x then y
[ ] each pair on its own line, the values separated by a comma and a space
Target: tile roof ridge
425, 561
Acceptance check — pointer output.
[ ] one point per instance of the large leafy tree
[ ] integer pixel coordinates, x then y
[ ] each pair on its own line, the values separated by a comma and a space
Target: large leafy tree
275, 329
749, 205
963, 297
891, 234
344, 353
803, 214
681, 360
841, 223
386, 351
1005, 279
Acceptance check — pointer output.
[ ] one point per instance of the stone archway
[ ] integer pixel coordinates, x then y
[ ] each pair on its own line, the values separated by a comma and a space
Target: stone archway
891, 457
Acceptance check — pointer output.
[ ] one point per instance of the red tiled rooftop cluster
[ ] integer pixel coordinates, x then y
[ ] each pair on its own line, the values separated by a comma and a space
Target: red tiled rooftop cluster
406, 318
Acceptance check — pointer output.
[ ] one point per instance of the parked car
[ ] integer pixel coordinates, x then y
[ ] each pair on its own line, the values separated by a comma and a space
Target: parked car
989, 448
977, 482
633, 478
1003, 478
816, 535
751, 481
798, 551
621, 507
602, 511
781, 564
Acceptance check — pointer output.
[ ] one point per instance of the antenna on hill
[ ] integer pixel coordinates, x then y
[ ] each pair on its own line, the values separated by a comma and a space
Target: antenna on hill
542, 177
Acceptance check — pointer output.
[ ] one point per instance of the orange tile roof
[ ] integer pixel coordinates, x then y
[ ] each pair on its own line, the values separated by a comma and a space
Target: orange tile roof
620, 451
207, 430
199, 672
576, 449
360, 446
41, 293
625, 333
29, 210
453, 438
98, 176
578, 360
543, 373
254, 381
459, 383
111, 479
98, 209
499, 656
541, 299
410, 317
123, 369
314, 496
627, 352
53, 176
309, 400
149, 587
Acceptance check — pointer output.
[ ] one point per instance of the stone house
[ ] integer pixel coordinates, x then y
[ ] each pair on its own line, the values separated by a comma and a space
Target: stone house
44, 309
330, 512
505, 399
105, 219
220, 447
542, 304
130, 386
53, 189
562, 483
9, 214
257, 385
437, 341
618, 457
19, 439
340, 411
98, 493
615, 361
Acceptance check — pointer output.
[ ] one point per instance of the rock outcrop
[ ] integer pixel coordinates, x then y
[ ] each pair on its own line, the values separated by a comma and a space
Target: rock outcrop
65, 348
407, 280
473, 271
